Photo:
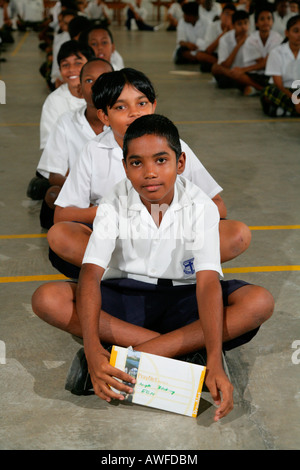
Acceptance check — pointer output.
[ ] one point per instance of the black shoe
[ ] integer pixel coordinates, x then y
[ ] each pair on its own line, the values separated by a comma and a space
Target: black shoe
198, 357
78, 379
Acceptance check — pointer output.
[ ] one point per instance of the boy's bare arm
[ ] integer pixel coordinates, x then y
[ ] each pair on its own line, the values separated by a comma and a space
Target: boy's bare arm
220, 205
77, 214
88, 303
210, 307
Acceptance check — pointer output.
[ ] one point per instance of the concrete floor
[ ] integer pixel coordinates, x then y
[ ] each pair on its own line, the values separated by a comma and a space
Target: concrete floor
256, 161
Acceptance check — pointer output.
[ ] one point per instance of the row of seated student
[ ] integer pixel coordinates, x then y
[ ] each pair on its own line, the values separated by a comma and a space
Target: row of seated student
96, 173
250, 52
89, 124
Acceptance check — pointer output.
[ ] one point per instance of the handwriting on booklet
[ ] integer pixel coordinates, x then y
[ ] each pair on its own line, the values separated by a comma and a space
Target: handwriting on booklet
163, 383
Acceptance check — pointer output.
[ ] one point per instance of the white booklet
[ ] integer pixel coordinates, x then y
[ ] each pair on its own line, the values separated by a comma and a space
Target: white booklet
167, 384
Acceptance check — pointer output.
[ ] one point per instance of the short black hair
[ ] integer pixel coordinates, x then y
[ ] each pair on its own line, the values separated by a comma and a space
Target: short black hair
240, 15
153, 124
108, 87
229, 6
190, 8
77, 25
95, 59
73, 47
292, 21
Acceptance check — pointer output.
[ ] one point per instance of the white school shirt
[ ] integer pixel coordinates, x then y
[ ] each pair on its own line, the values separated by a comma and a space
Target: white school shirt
255, 49
175, 11
65, 143
128, 244
282, 62
57, 102
215, 10
96, 12
213, 31
226, 45
279, 23
189, 33
32, 10
99, 167
116, 61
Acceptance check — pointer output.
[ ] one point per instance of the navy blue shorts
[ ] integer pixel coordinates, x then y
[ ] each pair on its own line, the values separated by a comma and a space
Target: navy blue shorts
161, 308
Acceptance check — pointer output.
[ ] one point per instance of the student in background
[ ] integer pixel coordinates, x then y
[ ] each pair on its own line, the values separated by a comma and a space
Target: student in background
255, 52
136, 17
62, 36
71, 57
294, 7
100, 39
98, 11
215, 31
282, 14
283, 67
191, 31
230, 56
72, 131
209, 9
174, 14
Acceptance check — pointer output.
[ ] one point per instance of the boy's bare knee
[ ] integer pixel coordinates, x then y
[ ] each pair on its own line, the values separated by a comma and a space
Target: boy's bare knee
263, 303
40, 299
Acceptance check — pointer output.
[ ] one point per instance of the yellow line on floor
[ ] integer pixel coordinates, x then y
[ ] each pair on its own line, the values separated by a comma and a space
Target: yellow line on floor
274, 227
60, 277
239, 121
19, 124
253, 227
42, 277
260, 269
25, 235
20, 44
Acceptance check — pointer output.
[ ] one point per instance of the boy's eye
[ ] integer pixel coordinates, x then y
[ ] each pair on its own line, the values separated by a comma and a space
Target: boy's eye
143, 103
135, 163
161, 160
89, 80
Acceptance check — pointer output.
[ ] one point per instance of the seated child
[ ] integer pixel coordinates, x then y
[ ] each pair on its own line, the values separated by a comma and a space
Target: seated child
170, 224
59, 38
283, 67
191, 32
209, 9
71, 57
174, 14
72, 131
100, 39
120, 97
230, 53
136, 17
217, 29
256, 50
97, 10
5, 23
281, 16
31, 14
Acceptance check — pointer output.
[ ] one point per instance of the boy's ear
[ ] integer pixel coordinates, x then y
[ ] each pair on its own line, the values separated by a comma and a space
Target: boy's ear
103, 117
154, 105
124, 166
181, 163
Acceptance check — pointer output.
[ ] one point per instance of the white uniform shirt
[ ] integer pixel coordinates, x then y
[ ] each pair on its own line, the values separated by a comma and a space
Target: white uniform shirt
175, 11
126, 240
32, 10
97, 12
195, 34
65, 143
99, 167
216, 10
213, 31
279, 24
226, 45
282, 62
255, 49
116, 61
57, 102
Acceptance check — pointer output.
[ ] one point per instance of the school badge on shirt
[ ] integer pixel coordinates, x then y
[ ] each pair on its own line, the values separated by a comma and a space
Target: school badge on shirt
188, 267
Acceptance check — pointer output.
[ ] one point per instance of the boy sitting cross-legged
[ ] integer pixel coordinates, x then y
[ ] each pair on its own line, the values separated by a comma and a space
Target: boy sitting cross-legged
156, 236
